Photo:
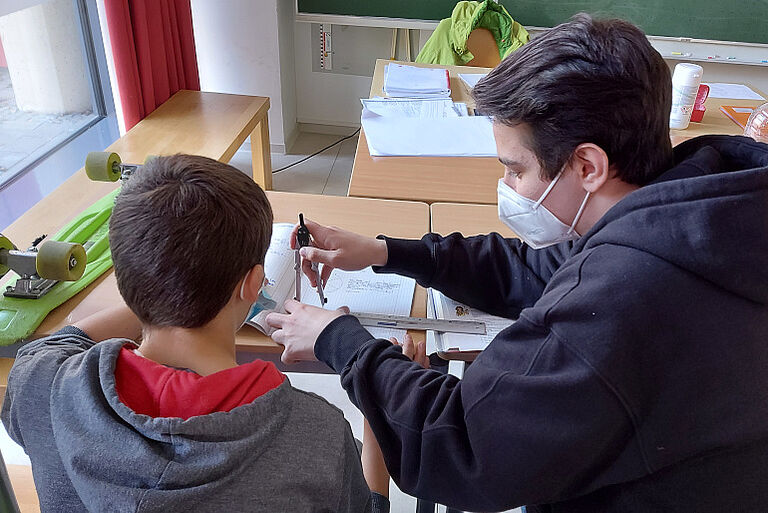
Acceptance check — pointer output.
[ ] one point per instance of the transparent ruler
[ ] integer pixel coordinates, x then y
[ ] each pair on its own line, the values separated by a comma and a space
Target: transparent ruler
420, 323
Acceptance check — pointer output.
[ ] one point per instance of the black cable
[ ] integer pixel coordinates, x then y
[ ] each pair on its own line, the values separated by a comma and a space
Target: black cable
318, 152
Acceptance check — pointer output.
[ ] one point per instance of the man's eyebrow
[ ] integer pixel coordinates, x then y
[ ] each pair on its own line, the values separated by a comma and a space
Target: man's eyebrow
510, 163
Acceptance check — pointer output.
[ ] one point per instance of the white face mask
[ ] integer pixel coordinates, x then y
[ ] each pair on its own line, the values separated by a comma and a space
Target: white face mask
531, 221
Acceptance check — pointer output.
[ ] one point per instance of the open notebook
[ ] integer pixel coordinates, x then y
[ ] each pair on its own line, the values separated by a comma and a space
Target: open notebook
362, 291
442, 307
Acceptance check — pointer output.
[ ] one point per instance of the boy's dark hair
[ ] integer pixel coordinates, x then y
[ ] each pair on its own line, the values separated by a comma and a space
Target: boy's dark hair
183, 232
587, 80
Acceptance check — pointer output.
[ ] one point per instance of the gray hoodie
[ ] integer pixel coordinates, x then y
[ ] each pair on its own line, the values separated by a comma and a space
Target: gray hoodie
287, 450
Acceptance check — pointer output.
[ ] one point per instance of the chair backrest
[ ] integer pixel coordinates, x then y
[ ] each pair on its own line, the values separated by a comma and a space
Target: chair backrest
482, 45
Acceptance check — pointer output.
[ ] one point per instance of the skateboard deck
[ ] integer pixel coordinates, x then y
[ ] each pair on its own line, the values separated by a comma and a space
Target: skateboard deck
20, 317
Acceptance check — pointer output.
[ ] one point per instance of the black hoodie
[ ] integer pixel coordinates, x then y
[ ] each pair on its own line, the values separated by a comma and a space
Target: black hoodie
636, 378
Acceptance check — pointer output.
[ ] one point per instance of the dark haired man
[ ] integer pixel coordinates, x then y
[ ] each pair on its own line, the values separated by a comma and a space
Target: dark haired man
175, 424
635, 377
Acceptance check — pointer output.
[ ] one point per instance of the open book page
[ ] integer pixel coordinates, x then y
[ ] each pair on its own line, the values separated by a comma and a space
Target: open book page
278, 269
444, 307
362, 291
365, 292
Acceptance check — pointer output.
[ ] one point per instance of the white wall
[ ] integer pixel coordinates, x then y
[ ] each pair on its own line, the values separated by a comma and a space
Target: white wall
45, 62
326, 98
254, 47
239, 52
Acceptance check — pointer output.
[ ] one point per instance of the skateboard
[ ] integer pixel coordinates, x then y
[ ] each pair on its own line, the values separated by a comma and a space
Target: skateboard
53, 269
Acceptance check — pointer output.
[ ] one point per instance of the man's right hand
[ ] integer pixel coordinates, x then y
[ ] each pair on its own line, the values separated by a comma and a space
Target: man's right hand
338, 249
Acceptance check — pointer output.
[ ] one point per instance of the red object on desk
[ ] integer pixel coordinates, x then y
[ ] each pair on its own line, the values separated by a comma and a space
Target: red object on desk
698, 106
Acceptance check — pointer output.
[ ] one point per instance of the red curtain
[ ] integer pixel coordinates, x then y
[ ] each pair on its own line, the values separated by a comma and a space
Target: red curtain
154, 52
3, 62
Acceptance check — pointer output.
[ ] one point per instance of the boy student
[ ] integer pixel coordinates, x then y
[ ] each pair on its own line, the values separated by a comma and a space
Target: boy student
636, 376
174, 424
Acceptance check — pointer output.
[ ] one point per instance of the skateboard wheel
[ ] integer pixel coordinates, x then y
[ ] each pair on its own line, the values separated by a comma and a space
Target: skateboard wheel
63, 261
102, 166
5, 244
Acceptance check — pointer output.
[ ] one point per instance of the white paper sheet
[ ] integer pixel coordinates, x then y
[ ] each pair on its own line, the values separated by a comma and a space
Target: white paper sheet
365, 292
471, 79
467, 136
412, 108
416, 82
732, 91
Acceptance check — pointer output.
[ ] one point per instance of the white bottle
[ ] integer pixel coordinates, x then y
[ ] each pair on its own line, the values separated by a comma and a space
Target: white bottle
685, 86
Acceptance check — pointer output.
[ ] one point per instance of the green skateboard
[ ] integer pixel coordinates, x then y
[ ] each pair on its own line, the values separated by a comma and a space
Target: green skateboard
63, 265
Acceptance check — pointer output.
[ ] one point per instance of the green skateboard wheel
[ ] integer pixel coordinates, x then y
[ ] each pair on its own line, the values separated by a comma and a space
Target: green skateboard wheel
102, 166
63, 261
5, 244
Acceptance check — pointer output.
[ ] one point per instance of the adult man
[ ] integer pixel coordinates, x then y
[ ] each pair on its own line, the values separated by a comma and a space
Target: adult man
635, 377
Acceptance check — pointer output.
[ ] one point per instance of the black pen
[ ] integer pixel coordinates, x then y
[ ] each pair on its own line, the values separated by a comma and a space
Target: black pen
304, 239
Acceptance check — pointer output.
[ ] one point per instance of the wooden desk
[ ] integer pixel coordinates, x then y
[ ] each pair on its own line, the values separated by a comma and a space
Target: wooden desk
714, 121
365, 216
468, 179
430, 179
210, 124
467, 219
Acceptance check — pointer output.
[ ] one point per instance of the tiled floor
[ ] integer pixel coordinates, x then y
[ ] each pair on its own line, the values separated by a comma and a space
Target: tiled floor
326, 173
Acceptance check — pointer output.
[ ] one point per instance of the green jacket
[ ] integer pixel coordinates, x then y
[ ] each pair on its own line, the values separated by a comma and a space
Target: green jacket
448, 44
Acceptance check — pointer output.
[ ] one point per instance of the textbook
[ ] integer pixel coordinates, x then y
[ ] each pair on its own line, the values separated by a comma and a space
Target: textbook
441, 306
362, 291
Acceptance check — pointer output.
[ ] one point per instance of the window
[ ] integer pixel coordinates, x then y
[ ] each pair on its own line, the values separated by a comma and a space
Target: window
55, 100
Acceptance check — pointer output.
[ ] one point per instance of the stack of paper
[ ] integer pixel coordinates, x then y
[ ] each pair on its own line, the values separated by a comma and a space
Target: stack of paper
415, 108
402, 81
464, 136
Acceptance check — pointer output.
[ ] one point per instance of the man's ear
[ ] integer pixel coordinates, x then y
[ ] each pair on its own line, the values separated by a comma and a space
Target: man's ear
253, 283
592, 166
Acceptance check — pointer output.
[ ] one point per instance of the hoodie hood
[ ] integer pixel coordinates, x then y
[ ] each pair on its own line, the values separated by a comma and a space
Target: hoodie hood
707, 215
118, 460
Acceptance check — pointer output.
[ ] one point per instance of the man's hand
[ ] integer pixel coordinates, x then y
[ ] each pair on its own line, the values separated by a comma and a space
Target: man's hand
299, 328
340, 249
416, 352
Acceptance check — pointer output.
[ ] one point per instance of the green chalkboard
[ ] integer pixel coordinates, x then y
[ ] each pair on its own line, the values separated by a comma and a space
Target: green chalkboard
721, 20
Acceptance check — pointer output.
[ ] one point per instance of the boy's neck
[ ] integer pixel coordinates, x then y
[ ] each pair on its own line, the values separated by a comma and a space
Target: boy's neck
205, 350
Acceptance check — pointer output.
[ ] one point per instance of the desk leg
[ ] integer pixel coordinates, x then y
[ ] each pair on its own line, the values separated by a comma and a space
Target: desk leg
261, 156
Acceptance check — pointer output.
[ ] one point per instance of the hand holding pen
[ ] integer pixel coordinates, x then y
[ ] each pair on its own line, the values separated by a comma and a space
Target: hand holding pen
337, 249
304, 240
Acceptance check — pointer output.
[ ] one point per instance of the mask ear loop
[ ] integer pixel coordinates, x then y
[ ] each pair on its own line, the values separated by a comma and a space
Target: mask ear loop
572, 229
546, 191
242, 286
